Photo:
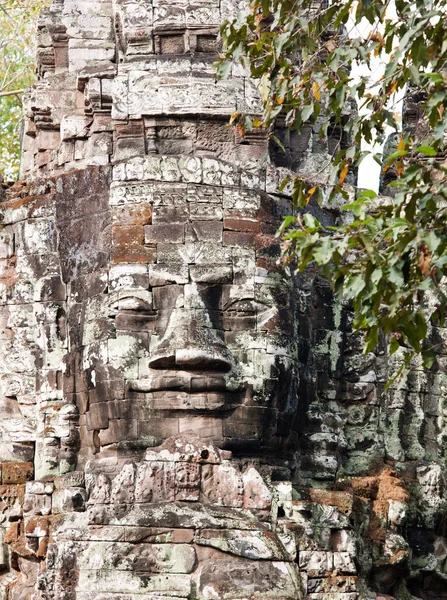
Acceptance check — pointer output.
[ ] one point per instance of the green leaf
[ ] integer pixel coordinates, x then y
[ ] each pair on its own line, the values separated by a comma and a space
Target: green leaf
307, 112
310, 221
223, 69
323, 253
372, 339
420, 325
426, 150
394, 345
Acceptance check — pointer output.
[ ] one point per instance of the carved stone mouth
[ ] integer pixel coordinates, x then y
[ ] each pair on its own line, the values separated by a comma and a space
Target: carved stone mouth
185, 382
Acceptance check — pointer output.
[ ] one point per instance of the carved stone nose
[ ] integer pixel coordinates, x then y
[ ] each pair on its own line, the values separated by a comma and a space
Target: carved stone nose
214, 357
191, 342
191, 357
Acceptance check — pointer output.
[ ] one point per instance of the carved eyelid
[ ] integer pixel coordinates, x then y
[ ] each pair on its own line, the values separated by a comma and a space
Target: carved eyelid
131, 303
254, 304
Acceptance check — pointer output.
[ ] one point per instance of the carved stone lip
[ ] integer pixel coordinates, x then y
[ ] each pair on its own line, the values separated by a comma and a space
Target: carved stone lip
191, 383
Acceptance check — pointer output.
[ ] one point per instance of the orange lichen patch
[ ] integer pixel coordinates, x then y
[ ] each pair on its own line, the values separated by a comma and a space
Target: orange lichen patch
33, 203
391, 487
9, 277
8, 493
385, 485
133, 254
124, 235
12, 534
342, 500
378, 521
9, 334
380, 489
365, 487
13, 472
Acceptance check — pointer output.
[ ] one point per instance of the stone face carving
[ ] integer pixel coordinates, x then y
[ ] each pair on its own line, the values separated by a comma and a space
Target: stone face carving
179, 417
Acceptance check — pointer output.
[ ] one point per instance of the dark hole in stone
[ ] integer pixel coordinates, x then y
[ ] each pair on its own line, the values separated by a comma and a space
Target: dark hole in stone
204, 454
78, 501
281, 512
61, 324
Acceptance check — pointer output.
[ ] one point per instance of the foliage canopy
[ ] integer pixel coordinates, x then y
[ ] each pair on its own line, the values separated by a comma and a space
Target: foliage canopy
17, 24
387, 252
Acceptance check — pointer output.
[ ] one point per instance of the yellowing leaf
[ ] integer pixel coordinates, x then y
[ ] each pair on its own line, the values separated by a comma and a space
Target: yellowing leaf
257, 123
343, 173
400, 167
377, 37
424, 260
234, 117
401, 144
310, 193
316, 91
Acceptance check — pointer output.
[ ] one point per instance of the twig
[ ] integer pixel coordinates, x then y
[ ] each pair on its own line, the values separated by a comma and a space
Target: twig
11, 93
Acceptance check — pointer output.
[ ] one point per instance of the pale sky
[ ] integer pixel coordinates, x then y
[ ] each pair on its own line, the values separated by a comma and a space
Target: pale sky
369, 170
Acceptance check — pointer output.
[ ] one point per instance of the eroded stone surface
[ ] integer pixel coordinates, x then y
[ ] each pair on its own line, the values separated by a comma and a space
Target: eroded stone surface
179, 418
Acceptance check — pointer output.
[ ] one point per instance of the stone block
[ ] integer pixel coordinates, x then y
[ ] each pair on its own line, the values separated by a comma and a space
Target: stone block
256, 493
170, 214
211, 273
37, 504
316, 562
133, 254
123, 582
97, 416
128, 276
16, 473
280, 578
344, 563
136, 214
238, 238
248, 225
204, 231
162, 274
205, 212
172, 233
255, 545
127, 235
74, 126
119, 430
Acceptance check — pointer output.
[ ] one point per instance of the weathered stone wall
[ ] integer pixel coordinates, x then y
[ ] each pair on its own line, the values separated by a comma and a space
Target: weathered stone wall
179, 417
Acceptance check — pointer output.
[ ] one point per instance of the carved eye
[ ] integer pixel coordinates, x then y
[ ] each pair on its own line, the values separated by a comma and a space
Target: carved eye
132, 303
248, 307
133, 314
242, 305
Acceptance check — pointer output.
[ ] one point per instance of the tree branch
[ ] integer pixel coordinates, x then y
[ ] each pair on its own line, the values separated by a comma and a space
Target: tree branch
11, 93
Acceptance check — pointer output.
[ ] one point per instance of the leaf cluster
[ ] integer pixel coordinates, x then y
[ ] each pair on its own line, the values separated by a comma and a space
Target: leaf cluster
17, 23
388, 252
